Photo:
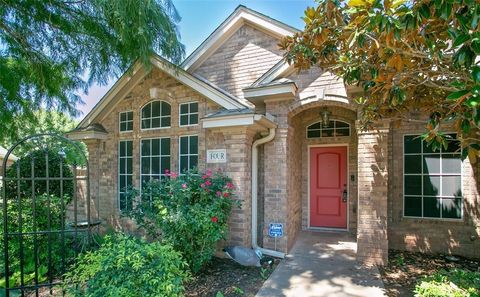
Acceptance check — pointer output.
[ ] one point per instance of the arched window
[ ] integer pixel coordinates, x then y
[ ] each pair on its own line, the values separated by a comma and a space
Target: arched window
334, 128
155, 115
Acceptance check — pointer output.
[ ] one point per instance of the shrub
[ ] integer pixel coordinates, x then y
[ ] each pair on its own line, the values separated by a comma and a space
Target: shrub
127, 266
456, 283
190, 212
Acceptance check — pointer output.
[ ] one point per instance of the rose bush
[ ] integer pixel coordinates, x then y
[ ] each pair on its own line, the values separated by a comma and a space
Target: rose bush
188, 211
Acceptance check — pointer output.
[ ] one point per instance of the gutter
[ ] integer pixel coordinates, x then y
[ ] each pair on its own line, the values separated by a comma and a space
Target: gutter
269, 137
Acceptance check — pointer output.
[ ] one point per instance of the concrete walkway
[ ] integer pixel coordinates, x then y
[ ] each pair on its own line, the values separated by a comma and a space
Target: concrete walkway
322, 264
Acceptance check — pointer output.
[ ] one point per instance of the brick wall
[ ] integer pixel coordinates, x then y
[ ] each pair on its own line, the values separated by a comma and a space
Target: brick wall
242, 59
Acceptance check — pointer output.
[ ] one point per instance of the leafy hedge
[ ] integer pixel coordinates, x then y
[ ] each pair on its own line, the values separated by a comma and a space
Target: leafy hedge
128, 266
455, 283
189, 211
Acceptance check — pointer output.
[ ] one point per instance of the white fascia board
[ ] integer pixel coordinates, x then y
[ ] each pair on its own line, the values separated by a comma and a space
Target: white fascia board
289, 89
199, 86
238, 120
228, 27
108, 97
279, 70
85, 135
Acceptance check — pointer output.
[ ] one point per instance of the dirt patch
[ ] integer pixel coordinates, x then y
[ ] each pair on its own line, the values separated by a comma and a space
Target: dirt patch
406, 268
229, 278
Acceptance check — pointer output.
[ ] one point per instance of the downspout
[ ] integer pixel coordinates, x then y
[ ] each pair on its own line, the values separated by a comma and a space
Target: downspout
269, 137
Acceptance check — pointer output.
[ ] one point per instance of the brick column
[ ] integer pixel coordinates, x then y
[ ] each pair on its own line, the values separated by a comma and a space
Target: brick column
373, 150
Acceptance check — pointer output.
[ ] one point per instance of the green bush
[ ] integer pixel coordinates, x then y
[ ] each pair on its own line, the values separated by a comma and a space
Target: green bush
190, 212
127, 266
456, 283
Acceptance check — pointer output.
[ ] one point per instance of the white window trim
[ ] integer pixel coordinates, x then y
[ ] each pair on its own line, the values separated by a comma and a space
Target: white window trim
119, 175
120, 121
188, 155
333, 129
440, 174
160, 117
162, 174
188, 114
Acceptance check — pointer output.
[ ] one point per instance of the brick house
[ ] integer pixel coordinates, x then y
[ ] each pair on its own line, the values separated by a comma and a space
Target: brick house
291, 143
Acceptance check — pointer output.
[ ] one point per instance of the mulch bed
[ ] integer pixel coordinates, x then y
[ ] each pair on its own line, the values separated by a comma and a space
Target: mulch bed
406, 268
228, 278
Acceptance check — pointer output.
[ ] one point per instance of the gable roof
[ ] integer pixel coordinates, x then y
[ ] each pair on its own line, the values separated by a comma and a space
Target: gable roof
130, 79
241, 15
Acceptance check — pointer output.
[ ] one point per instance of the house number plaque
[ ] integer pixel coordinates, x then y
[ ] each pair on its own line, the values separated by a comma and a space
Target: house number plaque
217, 156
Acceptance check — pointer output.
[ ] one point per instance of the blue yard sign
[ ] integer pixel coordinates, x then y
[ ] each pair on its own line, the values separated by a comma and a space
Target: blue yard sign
275, 230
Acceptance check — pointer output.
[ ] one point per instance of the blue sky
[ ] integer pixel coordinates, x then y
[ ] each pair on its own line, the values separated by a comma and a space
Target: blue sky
201, 17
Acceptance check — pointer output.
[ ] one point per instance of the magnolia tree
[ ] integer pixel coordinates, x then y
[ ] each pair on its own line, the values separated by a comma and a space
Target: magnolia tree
407, 56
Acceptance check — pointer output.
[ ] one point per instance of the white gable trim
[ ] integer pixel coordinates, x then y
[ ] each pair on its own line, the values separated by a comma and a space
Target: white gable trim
130, 79
239, 120
242, 15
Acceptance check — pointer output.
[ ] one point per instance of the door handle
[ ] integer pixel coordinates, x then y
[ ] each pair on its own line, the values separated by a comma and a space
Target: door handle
344, 196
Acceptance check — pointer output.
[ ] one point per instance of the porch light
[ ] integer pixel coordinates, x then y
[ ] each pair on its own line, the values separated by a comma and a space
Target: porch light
325, 114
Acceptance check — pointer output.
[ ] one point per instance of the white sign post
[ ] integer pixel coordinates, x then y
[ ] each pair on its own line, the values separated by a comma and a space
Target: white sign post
217, 156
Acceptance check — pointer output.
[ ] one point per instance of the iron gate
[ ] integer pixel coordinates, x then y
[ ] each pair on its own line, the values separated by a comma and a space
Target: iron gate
46, 213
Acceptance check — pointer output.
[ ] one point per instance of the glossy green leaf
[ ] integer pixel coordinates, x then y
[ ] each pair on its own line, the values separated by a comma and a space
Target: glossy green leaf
456, 95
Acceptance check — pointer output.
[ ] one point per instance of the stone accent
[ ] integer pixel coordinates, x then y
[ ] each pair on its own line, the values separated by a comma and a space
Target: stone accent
241, 60
373, 176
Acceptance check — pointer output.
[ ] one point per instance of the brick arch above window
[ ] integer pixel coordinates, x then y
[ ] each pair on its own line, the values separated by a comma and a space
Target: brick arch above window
335, 128
156, 114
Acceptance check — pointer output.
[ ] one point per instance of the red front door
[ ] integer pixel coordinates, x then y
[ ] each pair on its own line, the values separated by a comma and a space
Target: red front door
328, 181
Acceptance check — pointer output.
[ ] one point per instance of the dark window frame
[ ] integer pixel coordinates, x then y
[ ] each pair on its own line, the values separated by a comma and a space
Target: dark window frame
334, 129
151, 117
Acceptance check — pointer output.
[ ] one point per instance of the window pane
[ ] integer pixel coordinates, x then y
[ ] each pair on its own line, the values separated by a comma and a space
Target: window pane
183, 120
155, 147
122, 183
413, 206
122, 148
313, 134
123, 126
431, 164
145, 147
122, 165
193, 162
184, 145
183, 108
412, 144
194, 107
413, 185
315, 126
431, 185
431, 207
452, 208
146, 111
123, 117
165, 146
165, 164
146, 124
451, 163
155, 165
129, 126
342, 125
427, 148
193, 119
129, 147
155, 123
453, 145
166, 122
451, 186
183, 163
413, 164
129, 166
122, 201
156, 109
194, 145
145, 165
130, 116
166, 110
327, 132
